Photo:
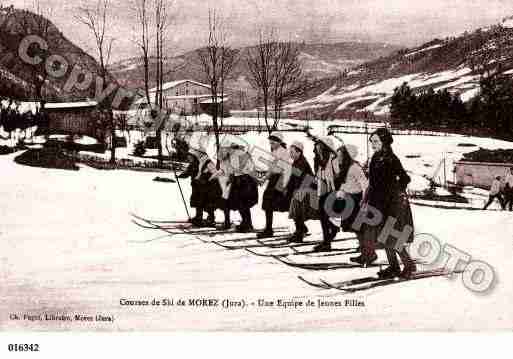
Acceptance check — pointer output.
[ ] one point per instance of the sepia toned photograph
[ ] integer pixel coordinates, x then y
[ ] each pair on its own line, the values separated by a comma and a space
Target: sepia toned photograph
255, 166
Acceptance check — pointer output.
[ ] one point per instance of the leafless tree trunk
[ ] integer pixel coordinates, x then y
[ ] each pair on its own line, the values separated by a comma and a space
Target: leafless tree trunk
287, 77
217, 62
159, 19
143, 42
95, 18
260, 64
161, 24
229, 60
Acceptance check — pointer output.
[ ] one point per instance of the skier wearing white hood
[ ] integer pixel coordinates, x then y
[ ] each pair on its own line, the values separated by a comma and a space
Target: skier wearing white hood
275, 197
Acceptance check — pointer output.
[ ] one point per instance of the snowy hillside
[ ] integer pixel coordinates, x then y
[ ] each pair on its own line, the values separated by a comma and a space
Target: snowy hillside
459, 80
319, 61
453, 63
68, 246
18, 77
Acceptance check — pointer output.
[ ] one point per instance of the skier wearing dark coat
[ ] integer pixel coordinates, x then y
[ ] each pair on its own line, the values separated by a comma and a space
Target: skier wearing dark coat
386, 193
300, 192
205, 191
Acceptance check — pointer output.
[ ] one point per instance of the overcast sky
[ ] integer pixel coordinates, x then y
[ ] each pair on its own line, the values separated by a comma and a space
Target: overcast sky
400, 22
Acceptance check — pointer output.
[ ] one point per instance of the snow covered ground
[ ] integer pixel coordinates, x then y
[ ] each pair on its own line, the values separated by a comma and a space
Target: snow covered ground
67, 246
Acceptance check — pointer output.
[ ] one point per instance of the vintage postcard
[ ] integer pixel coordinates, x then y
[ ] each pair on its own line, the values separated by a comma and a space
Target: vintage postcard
249, 166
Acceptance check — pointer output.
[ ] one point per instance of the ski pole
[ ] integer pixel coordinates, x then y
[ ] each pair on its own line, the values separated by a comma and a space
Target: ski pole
181, 192
178, 182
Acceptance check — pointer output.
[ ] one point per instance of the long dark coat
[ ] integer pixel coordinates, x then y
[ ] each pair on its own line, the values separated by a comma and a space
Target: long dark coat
275, 199
387, 189
243, 192
303, 206
300, 169
205, 194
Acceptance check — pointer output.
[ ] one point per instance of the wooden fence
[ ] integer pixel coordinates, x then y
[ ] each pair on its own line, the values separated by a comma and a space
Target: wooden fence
239, 129
127, 164
363, 129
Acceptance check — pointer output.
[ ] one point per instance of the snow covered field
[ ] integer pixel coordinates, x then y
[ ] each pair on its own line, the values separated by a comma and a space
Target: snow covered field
67, 246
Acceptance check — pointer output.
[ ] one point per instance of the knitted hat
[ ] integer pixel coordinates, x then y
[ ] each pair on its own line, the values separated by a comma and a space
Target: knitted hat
298, 145
236, 146
330, 143
276, 137
384, 135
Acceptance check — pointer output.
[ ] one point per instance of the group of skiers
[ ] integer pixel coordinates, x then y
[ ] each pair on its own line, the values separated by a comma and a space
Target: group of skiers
503, 193
337, 184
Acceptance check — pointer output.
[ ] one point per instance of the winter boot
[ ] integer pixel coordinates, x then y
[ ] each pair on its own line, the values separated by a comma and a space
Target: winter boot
266, 233
244, 228
363, 260
408, 271
210, 221
389, 272
409, 264
226, 226
300, 226
322, 247
197, 222
297, 237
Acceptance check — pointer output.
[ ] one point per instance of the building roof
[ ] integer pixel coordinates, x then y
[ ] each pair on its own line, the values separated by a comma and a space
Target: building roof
171, 84
65, 105
470, 163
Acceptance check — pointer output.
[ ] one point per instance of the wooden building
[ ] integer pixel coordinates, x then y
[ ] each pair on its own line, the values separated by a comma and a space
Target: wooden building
480, 174
186, 97
76, 118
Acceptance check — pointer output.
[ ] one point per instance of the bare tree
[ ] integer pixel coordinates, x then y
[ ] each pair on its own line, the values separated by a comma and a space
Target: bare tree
229, 59
275, 71
152, 45
287, 77
95, 18
37, 23
217, 62
260, 64
143, 42
160, 26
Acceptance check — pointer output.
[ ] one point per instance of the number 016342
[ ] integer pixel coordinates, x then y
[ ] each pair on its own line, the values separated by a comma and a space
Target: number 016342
23, 347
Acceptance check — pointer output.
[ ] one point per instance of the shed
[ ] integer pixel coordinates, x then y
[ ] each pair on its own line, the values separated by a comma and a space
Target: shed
76, 118
479, 174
